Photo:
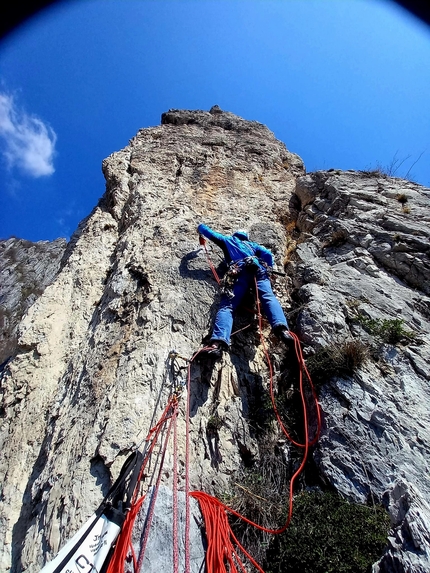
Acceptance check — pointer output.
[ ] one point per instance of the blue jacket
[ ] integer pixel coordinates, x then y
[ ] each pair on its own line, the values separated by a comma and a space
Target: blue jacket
236, 249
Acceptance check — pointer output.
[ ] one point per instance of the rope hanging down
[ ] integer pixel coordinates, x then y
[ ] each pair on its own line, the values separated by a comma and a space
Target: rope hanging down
220, 538
124, 546
210, 263
224, 551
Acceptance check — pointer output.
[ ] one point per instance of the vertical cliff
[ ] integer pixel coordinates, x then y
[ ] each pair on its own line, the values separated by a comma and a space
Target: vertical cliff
92, 352
26, 269
90, 367
362, 275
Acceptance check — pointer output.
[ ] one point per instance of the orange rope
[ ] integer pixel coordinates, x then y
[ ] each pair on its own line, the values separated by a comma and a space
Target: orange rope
123, 545
152, 435
210, 263
222, 551
187, 477
175, 497
151, 508
302, 365
220, 537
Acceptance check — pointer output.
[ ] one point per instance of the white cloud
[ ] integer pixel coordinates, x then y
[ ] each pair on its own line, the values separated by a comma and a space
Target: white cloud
29, 143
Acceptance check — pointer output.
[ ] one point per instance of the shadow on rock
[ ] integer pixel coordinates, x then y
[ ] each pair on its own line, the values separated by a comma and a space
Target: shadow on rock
199, 270
32, 506
201, 376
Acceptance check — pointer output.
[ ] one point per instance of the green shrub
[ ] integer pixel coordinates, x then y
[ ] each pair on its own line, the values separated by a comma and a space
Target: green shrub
390, 330
214, 423
329, 535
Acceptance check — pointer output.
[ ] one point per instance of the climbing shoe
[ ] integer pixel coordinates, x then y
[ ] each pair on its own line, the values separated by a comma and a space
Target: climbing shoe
286, 337
213, 351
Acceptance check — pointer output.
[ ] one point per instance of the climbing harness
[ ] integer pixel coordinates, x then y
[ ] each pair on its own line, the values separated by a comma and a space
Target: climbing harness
229, 280
234, 269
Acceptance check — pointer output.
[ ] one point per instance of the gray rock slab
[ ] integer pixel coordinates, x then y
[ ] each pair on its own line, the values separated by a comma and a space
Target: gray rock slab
369, 257
158, 555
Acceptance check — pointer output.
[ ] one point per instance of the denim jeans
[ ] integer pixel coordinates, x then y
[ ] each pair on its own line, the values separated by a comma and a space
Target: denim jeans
269, 304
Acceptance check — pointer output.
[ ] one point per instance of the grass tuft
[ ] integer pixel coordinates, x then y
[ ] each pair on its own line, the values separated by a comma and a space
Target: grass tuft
336, 360
260, 493
402, 198
390, 330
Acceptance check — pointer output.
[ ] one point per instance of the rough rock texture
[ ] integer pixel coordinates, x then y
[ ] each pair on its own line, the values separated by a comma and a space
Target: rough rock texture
92, 363
158, 554
26, 268
360, 256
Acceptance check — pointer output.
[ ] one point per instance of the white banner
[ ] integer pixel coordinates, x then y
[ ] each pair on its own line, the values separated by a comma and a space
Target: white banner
89, 555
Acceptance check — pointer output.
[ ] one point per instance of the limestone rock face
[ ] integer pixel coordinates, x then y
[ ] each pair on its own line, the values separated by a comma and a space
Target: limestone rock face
365, 256
92, 361
158, 555
91, 371
388, 218
26, 268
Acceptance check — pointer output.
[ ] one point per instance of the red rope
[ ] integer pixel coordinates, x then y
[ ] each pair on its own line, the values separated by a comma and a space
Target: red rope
302, 365
187, 472
155, 492
221, 539
123, 545
175, 497
210, 263
152, 438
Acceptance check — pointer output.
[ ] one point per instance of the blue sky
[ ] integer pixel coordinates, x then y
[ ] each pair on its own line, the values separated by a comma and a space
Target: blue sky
345, 85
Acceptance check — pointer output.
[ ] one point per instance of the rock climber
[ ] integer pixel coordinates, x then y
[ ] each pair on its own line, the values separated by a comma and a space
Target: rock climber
245, 260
